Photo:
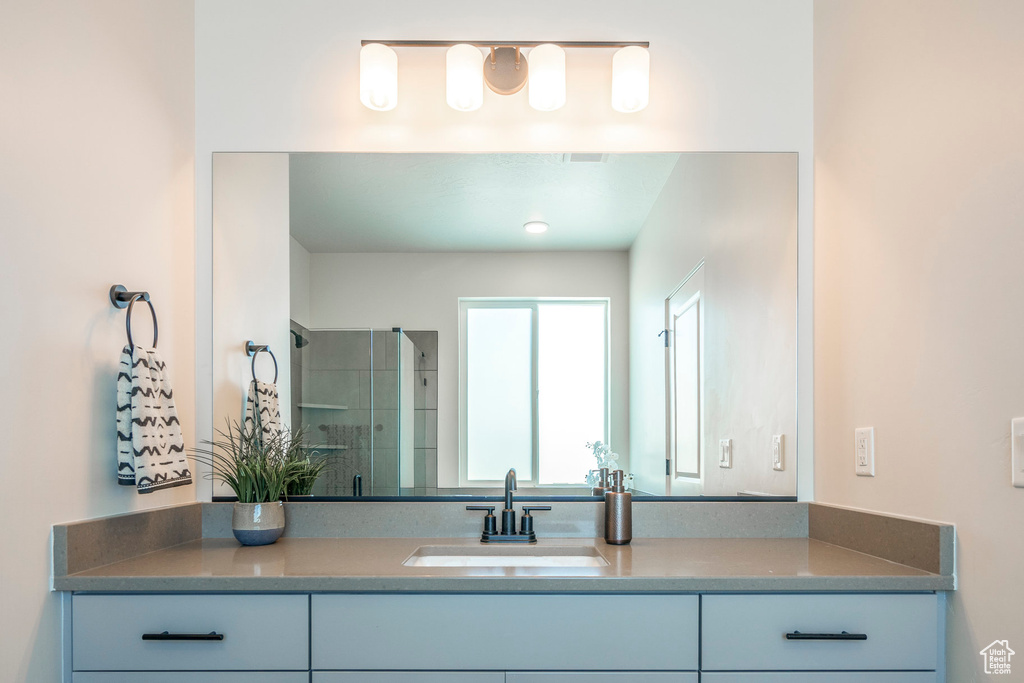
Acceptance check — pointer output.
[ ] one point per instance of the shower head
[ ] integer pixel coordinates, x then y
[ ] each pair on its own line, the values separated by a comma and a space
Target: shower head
300, 341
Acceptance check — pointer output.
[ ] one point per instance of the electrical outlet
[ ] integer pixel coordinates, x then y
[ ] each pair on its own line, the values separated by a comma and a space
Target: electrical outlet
864, 451
778, 453
1017, 451
725, 453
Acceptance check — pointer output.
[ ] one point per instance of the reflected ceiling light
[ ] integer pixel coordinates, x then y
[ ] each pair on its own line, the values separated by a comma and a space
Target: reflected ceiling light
547, 77
505, 70
631, 79
536, 227
465, 80
378, 77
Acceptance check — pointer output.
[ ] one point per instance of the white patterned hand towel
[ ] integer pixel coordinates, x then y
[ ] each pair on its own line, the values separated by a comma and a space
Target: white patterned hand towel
150, 448
262, 409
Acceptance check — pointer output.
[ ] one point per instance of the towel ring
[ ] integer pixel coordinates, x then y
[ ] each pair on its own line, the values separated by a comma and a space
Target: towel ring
122, 298
253, 349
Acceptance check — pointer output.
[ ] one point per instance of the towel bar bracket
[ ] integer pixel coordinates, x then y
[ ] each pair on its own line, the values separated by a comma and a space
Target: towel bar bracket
120, 297
252, 349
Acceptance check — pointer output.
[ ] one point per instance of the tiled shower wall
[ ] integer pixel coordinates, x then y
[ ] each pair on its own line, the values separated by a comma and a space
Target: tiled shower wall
425, 438
350, 406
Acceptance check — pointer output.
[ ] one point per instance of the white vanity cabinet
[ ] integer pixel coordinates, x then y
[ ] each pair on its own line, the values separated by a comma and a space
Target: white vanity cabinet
164, 634
408, 677
507, 638
897, 635
601, 677
500, 677
505, 632
190, 677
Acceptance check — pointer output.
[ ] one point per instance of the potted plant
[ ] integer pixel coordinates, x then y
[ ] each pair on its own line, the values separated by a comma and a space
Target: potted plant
258, 468
307, 466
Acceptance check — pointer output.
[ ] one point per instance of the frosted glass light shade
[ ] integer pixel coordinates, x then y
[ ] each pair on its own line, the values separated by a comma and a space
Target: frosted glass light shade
631, 79
547, 77
465, 77
378, 77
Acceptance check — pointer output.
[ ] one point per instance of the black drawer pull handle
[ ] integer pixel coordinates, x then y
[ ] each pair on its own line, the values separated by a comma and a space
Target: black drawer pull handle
212, 635
796, 635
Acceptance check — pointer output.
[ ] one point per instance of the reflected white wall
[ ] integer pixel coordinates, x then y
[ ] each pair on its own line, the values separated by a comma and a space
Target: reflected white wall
738, 212
251, 280
421, 292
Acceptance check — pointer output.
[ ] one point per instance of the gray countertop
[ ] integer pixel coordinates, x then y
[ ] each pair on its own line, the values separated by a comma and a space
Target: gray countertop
375, 564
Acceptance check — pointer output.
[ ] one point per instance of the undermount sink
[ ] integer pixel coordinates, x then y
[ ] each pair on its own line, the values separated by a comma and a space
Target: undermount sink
505, 556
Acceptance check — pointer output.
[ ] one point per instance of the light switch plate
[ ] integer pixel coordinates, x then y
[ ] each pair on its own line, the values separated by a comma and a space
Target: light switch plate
1017, 450
864, 451
725, 453
778, 453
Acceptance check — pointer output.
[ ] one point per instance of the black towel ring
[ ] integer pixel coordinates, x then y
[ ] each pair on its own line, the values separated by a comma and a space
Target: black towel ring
252, 349
122, 298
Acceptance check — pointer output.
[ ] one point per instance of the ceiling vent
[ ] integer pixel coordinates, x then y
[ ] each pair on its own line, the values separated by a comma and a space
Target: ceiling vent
585, 158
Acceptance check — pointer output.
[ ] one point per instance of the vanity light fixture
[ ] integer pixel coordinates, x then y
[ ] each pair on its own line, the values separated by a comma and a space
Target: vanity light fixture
547, 82
536, 227
504, 67
465, 80
378, 77
631, 79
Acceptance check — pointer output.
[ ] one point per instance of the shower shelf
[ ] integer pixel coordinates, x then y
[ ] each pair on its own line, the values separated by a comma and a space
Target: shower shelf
322, 406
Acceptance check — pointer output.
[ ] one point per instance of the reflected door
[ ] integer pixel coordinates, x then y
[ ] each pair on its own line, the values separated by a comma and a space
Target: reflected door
684, 384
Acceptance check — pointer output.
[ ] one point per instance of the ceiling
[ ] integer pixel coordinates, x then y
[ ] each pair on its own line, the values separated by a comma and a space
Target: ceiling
342, 202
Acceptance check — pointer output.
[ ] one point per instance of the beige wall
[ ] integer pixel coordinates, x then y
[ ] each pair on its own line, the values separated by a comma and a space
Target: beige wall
421, 292
919, 282
96, 188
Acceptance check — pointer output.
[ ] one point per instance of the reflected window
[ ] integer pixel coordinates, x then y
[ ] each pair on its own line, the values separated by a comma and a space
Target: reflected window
534, 388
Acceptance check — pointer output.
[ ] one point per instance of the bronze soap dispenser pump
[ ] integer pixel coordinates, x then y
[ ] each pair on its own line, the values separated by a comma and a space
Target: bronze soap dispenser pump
618, 512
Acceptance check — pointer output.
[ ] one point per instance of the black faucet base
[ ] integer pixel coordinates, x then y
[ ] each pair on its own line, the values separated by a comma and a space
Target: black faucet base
509, 538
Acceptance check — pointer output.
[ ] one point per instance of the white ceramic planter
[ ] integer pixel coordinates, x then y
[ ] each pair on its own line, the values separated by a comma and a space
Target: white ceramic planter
258, 523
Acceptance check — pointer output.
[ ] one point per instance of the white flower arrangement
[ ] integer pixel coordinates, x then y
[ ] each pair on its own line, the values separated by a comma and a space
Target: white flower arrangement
605, 456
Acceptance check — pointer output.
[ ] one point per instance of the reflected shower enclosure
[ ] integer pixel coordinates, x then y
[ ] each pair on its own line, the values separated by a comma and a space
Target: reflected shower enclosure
364, 398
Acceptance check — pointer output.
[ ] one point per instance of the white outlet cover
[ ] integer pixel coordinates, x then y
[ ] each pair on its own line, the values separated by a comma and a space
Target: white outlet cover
1017, 451
725, 453
864, 451
778, 453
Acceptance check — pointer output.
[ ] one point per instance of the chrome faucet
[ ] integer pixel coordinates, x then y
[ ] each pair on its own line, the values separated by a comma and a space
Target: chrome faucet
508, 518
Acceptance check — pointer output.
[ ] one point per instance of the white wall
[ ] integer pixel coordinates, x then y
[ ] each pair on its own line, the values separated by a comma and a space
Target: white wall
251, 281
282, 75
919, 272
299, 282
738, 213
421, 292
96, 188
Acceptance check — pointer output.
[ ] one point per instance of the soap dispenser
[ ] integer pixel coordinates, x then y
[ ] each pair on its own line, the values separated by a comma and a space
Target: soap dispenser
602, 484
618, 512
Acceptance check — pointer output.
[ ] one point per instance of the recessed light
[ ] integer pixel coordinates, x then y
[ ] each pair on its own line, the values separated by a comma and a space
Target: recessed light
536, 227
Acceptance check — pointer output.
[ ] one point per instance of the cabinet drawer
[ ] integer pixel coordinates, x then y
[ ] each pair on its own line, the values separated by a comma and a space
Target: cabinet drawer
596, 677
408, 677
749, 632
818, 677
261, 632
502, 632
189, 677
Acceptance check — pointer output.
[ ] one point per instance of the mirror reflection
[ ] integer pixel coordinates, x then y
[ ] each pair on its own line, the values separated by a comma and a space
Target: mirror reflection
431, 335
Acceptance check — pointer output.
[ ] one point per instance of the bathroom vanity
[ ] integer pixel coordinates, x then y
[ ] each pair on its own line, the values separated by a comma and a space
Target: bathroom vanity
728, 608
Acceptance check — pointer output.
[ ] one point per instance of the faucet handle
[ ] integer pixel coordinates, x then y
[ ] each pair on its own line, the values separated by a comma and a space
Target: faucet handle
526, 521
490, 524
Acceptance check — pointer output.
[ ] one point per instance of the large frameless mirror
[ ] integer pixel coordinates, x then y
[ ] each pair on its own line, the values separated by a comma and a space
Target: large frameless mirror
429, 336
